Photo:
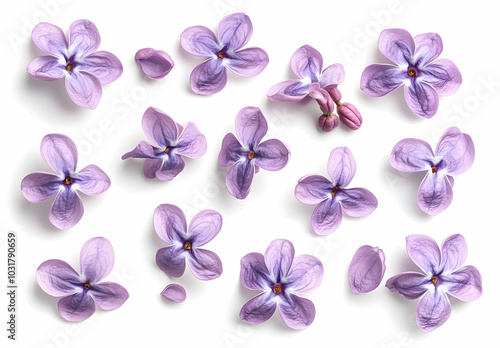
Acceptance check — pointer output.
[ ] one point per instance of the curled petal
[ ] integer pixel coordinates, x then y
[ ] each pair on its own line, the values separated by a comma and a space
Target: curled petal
66, 210
84, 89
171, 261
251, 126
50, 39
433, 310
155, 64
279, 257
425, 252
313, 189
297, 312
333, 75
305, 274
258, 309
367, 269
108, 295
379, 79
208, 78
307, 63
397, 45
46, 68
341, 166
92, 180
97, 259
38, 187
249, 62
422, 99
170, 223
464, 284
254, 274
289, 91
427, 48
103, 65
326, 217
191, 142
57, 278
159, 127
205, 226
454, 253
322, 97
230, 151
272, 155
357, 202
410, 284
199, 41
443, 75
151, 166
435, 193
171, 167
234, 31
59, 152
205, 264
239, 179
456, 151
174, 293
77, 307
412, 155
84, 37
143, 150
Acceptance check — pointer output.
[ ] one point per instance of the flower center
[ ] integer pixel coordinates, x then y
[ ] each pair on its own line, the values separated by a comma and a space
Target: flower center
86, 286
167, 150
251, 154
67, 180
434, 280
220, 54
69, 67
334, 191
412, 72
434, 170
187, 246
277, 288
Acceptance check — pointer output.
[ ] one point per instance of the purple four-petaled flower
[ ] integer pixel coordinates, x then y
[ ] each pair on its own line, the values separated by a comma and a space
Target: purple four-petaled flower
443, 273
234, 32
84, 68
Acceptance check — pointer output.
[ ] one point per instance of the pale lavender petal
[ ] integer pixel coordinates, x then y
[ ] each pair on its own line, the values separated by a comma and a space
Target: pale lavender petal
231, 150
159, 127
208, 78
427, 48
379, 79
397, 45
433, 310
191, 142
333, 75
289, 91
50, 39
57, 278
412, 155
84, 89
84, 37
97, 259
313, 189
199, 41
421, 98
143, 150
204, 264
366, 270
297, 312
357, 202
239, 179
279, 258
66, 210
170, 223
443, 75
174, 293
464, 284
424, 252
204, 226
38, 187
46, 68
454, 253
103, 65
322, 97
59, 152
108, 295
92, 180
155, 64
258, 309
456, 151
254, 274
305, 274
151, 166
249, 62
171, 261
234, 31
410, 284
170, 168
307, 63
77, 307
326, 217
251, 126
341, 166
435, 193
272, 155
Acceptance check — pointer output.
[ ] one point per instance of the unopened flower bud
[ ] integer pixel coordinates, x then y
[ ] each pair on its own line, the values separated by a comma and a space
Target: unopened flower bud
334, 93
328, 122
350, 116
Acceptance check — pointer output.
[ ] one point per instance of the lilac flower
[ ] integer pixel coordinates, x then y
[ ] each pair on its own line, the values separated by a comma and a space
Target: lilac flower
333, 196
442, 274
174, 293
280, 275
454, 155
155, 64
184, 243
367, 269
246, 155
80, 292
425, 77
234, 32
84, 68
60, 153
170, 141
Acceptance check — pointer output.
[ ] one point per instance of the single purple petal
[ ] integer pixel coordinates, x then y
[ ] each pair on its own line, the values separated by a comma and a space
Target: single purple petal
170, 223
171, 261
108, 295
159, 127
272, 155
239, 179
204, 226
92, 180
103, 65
199, 41
208, 78
84, 89
66, 210
322, 97
435, 193
279, 258
170, 168
84, 37
307, 63
433, 310
326, 217
333, 75
427, 48
443, 75
357, 202
204, 264
249, 62
341, 166
289, 91
306, 274
77, 307
412, 155
50, 39
259, 309
174, 293
379, 79
366, 270
191, 142
397, 45
60, 153
424, 252
410, 284
254, 274
421, 98
151, 166
297, 312
453, 253
235, 30
97, 259
143, 150
456, 151
38, 187
57, 278
46, 68
230, 150
155, 64
464, 284
313, 189
251, 126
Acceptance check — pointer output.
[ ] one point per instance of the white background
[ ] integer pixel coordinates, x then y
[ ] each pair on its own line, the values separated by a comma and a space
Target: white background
344, 32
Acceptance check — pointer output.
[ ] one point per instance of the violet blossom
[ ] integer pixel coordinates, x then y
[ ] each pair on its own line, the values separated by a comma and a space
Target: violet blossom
174, 293
332, 196
60, 153
155, 64
184, 243
454, 155
367, 269
84, 68
279, 274
170, 141
80, 292
443, 274
235, 30
417, 68
245, 154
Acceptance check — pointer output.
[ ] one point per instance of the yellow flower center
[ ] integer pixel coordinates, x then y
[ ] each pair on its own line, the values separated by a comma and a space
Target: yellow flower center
187, 246
412, 72
220, 55
167, 150
251, 155
69, 67
434, 170
334, 191
67, 181
86, 286
434, 280
277, 288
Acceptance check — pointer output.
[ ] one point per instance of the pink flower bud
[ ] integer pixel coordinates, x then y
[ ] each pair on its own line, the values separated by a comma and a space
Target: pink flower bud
350, 116
328, 122
334, 93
